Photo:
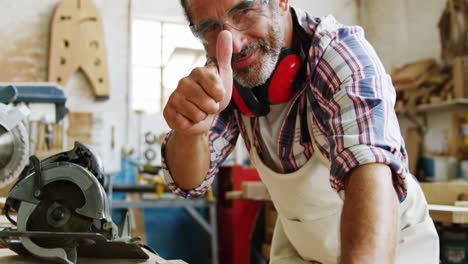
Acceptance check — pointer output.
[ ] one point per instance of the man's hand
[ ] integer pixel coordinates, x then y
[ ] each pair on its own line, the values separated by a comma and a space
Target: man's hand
190, 111
204, 93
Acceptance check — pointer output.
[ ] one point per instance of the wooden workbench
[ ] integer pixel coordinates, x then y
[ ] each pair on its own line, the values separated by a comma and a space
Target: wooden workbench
442, 197
10, 257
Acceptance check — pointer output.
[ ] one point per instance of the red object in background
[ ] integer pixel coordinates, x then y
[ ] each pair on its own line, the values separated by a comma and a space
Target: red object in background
236, 218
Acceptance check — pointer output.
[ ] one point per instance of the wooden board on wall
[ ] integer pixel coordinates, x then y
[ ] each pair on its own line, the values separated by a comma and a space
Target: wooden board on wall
80, 128
460, 77
77, 43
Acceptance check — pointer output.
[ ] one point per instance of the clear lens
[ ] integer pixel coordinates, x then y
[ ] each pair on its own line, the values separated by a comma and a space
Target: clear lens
243, 17
240, 17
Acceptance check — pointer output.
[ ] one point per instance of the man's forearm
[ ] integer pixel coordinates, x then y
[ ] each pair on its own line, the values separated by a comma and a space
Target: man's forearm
370, 218
188, 159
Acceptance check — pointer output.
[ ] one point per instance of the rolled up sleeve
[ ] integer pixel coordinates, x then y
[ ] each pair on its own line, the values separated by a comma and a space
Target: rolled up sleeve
222, 139
354, 98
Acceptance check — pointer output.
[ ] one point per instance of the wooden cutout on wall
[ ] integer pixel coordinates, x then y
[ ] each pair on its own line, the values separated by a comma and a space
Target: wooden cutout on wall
77, 43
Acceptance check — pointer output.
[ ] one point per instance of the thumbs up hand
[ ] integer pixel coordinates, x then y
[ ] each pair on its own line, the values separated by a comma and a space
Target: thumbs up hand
223, 56
205, 92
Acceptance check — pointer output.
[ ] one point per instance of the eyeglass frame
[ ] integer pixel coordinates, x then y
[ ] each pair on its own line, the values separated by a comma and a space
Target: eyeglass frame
195, 28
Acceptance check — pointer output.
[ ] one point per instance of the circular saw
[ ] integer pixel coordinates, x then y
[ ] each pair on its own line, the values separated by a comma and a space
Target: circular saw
63, 211
14, 142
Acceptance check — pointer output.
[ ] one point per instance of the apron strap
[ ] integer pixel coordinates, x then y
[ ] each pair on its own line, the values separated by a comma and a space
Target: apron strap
317, 151
248, 128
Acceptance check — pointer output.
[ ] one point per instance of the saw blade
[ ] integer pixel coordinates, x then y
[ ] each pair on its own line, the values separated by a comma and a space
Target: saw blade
13, 153
14, 146
7, 146
56, 213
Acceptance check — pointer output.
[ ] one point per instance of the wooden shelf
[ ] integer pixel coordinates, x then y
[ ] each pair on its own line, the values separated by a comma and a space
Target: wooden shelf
443, 106
448, 214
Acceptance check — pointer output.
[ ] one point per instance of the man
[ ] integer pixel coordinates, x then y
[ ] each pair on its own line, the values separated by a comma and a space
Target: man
329, 150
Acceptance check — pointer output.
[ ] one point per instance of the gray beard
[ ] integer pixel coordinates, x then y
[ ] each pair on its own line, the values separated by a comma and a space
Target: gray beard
270, 47
260, 71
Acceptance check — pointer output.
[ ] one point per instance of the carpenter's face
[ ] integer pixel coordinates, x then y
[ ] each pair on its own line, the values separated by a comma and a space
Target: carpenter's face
256, 29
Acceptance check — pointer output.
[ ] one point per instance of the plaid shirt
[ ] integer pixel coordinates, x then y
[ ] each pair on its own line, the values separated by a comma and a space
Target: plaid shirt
351, 98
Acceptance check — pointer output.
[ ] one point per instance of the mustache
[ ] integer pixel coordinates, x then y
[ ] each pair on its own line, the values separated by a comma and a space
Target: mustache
249, 49
262, 44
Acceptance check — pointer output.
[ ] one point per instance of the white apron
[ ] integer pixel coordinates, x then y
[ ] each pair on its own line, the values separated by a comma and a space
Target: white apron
309, 213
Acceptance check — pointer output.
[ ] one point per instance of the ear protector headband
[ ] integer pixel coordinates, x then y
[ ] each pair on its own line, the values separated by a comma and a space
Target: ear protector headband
279, 88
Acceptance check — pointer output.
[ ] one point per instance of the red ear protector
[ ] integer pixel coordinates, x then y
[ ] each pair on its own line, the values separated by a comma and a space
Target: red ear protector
279, 88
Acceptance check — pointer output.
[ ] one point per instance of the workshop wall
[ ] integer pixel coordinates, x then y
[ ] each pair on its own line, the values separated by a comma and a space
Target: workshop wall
402, 30
24, 36
346, 11
391, 25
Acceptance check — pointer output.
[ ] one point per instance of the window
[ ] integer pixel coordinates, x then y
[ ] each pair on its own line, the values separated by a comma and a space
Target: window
162, 53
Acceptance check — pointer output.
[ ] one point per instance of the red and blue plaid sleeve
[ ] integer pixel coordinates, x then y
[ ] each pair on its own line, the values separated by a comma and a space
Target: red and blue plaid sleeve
222, 139
354, 98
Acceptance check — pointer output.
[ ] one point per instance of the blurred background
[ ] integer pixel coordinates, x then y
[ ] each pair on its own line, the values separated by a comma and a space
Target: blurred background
145, 47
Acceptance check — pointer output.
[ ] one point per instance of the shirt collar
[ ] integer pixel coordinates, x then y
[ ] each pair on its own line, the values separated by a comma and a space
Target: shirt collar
301, 30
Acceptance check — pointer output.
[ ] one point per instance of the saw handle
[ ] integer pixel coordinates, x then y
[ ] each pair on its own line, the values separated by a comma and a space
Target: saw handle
36, 165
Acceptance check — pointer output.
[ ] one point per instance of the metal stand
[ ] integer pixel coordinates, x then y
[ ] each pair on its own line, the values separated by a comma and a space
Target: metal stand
189, 205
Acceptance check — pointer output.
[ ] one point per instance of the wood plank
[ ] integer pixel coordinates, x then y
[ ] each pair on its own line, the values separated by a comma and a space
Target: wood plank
10, 257
80, 128
449, 214
80, 124
254, 190
460, 77
138, 229
412, 75
444, 193
77, 43
413, 147
233, 195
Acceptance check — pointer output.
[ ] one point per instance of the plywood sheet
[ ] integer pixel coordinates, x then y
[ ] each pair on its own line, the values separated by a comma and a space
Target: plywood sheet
80, 128
77, 43
460, 77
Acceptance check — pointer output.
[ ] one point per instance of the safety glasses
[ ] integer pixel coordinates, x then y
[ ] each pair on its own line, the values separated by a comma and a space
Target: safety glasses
239, 17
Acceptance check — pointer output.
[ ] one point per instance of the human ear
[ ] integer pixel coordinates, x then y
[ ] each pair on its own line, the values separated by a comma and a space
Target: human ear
283, 6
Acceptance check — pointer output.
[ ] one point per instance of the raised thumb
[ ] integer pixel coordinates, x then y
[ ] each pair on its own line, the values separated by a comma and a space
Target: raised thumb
223, 57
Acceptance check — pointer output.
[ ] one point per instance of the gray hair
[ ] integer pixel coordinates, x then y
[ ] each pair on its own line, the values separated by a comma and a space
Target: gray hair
184, 5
